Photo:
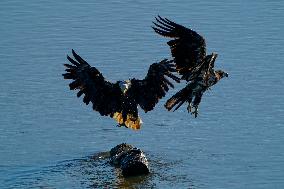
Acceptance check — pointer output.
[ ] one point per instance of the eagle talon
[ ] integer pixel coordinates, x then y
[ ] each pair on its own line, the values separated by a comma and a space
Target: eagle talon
195, 113
193, 109
189, 108
121, 125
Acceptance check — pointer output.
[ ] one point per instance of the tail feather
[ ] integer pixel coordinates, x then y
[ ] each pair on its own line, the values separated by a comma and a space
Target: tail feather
178, 99
179, 105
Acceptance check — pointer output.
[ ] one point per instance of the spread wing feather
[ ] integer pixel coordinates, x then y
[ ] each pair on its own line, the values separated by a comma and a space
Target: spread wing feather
153, 87
188, 47
104, 95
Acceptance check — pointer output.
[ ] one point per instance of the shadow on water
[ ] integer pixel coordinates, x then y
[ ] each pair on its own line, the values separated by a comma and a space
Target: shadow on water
95, 171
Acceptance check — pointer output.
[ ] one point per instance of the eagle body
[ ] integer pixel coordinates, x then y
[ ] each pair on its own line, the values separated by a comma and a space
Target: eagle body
193, 92
188, 49
120, 100
128, 112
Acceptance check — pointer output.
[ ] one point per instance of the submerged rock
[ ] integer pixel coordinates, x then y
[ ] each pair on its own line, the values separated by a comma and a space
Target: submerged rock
131, 160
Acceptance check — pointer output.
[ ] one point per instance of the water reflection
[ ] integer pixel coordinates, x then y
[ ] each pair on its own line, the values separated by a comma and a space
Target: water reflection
143, 181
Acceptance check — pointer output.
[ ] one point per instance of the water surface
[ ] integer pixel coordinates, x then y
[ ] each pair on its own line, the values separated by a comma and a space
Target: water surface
50, 139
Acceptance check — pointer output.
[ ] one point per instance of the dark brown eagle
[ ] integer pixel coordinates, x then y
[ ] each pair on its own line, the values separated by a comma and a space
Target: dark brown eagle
120, 100
188, 49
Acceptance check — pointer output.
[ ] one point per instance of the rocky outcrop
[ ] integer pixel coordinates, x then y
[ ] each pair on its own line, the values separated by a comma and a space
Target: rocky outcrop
131, 160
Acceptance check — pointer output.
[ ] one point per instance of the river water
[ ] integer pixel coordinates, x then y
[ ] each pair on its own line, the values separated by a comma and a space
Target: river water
50, 139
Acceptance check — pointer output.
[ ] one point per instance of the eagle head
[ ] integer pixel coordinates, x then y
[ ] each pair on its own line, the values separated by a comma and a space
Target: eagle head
221, 73
124, 85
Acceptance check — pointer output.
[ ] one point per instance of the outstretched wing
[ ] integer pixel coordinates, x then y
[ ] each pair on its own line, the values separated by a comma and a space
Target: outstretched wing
105, 96
188, 47
149, 91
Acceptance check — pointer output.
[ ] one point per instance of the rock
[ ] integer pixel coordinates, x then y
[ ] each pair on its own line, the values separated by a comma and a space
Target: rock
131, 160
119, 152
134, 162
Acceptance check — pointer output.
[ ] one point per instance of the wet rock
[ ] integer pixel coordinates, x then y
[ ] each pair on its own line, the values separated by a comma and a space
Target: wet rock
118, 152
131, 160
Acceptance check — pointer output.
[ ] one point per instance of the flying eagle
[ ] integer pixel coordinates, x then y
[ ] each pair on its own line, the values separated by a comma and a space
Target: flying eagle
120, 100
188, 49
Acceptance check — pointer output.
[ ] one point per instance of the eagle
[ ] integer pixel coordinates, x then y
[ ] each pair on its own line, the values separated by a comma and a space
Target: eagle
188, 50
120, 100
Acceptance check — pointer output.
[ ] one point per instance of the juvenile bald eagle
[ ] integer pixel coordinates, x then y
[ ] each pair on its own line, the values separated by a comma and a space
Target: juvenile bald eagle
188, 49
120, 100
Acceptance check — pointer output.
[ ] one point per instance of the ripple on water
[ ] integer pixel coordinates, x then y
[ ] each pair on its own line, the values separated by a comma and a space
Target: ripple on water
95, 171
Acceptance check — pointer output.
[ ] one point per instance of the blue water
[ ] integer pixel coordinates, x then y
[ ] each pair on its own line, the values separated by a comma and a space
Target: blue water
50, 139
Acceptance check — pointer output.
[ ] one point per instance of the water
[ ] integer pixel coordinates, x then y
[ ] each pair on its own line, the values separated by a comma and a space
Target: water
50, 139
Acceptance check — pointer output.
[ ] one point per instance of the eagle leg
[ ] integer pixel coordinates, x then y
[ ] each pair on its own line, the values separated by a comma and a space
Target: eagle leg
193, 109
